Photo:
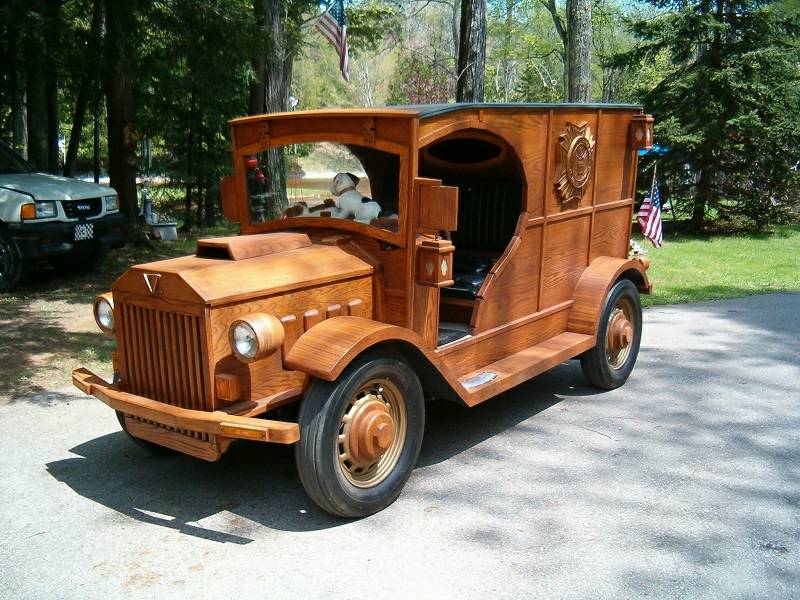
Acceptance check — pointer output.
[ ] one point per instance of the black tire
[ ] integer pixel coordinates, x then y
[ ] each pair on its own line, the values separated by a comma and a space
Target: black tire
324, 472
86, 257
12, 265
149, 447
601, 366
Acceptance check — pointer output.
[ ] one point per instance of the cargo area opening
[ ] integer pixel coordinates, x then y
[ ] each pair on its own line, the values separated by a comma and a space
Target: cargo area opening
490, 182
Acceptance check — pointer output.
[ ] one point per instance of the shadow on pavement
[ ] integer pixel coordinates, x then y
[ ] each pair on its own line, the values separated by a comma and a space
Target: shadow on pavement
259, 482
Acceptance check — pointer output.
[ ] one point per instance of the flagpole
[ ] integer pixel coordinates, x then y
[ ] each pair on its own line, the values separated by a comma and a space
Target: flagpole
653, 183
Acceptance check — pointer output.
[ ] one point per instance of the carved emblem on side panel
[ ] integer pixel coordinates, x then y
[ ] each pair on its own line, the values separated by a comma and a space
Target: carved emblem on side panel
575, 161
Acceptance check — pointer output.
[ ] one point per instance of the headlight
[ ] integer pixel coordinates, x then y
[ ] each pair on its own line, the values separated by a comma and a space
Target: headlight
104, 313
255, 336
38, 210
112, 203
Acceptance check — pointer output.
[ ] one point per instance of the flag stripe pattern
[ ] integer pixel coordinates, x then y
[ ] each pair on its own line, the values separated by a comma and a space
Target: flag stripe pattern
331, 25
649, 217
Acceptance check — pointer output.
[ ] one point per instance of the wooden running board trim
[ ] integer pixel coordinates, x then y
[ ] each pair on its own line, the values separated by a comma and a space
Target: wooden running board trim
521, 366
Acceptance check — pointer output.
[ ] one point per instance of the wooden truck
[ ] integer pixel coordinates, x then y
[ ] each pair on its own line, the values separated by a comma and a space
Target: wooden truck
387, 256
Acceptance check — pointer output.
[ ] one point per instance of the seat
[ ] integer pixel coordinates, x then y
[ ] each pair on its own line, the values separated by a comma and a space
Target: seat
487, 217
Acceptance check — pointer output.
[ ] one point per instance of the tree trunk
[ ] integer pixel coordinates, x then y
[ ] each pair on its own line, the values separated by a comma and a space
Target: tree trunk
35, 87
561, 30
84, 94
52, 30
272, 95
96, 137
471, 51
17, 85
119, 108
579, 50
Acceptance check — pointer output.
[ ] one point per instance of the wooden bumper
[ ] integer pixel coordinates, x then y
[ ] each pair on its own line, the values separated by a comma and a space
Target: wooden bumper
217, 422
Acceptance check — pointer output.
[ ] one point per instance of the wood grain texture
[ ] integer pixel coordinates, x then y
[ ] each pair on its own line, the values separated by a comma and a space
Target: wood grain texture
611, 232
565, 256
464, 357
612, 151
560, 119
591, 290
182, 418
513, 291
426, 314
251, 246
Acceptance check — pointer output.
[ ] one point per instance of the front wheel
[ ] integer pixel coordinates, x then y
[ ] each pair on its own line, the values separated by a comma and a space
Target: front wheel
608, 365
12, 265
360, 435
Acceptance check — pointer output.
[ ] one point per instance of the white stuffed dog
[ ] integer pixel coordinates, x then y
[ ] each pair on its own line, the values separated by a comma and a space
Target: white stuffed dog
352, 204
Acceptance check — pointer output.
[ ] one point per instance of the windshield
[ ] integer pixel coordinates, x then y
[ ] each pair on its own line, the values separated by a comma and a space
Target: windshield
324, 179
11, 162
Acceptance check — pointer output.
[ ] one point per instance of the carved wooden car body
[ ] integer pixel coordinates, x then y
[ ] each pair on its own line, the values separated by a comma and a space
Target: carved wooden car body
498, 249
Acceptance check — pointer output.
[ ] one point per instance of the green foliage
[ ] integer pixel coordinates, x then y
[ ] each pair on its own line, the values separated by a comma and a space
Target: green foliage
727, 106
416, 81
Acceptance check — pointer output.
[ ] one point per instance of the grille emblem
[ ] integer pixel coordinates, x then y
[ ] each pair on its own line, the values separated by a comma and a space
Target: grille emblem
152, 280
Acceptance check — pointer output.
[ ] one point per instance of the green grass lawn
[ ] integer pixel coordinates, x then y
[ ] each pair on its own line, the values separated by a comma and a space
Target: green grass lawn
693, 268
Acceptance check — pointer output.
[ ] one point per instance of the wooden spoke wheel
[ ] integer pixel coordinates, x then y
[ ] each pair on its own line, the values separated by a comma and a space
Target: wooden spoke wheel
360, 435
611, 361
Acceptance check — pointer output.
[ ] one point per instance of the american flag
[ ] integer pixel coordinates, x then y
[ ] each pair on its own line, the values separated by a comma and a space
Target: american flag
649, 217
331, 25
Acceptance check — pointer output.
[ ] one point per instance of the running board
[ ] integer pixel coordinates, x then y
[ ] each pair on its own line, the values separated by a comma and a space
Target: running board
499, 376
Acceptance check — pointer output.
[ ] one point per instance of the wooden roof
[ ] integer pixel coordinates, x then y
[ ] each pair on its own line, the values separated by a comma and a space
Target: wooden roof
424, 111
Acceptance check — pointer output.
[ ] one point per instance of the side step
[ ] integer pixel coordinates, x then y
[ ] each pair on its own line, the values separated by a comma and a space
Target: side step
501, 375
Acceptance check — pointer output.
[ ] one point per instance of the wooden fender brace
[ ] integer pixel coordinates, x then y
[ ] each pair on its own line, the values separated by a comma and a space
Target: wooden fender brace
593, 287
325, 350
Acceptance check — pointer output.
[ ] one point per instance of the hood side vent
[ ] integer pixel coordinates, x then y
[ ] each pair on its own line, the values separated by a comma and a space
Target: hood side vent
251, 246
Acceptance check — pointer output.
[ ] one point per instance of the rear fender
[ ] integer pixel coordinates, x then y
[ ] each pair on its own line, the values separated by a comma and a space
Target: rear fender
593, 286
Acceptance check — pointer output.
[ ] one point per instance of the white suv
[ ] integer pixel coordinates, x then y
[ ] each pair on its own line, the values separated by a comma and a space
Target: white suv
68, 221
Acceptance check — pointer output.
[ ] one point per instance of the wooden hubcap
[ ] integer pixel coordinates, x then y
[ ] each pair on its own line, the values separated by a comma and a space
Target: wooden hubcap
371, 431
620, 332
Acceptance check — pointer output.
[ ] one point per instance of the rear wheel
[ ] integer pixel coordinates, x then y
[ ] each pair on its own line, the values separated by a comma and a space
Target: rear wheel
610, 362
360, 435
12, 265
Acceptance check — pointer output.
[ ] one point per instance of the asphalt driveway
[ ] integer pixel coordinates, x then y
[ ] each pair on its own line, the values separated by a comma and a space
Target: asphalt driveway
684, 483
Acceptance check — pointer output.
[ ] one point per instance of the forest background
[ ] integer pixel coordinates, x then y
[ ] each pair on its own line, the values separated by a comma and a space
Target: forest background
143, 90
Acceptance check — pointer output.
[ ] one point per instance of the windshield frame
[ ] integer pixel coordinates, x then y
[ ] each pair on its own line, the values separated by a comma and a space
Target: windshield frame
25, 166
296, 132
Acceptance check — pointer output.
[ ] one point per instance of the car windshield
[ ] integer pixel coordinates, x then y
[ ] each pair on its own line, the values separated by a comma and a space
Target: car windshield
11, 162
324, 179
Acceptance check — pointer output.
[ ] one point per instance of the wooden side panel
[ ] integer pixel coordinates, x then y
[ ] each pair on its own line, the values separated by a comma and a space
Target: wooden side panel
611, 233
467, 357
514, 290
565, 257
613, 158
559, 122
426, 313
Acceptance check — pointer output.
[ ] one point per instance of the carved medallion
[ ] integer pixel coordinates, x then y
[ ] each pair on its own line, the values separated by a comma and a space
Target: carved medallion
575, 158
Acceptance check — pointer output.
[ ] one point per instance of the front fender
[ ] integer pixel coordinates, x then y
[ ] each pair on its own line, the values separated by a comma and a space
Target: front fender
327, 348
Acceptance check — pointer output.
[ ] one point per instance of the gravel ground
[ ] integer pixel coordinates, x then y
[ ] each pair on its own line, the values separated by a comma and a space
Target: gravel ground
683, 483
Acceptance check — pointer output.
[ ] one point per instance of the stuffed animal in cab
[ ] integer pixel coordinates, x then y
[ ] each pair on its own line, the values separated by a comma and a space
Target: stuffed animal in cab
352, 204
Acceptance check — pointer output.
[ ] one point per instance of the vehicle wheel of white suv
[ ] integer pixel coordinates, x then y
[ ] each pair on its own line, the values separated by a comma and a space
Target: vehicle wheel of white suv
12, 265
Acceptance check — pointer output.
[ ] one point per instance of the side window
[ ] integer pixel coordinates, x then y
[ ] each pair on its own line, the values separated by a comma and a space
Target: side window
324, 179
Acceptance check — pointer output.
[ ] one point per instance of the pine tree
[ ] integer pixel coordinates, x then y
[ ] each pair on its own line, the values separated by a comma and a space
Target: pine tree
727, 106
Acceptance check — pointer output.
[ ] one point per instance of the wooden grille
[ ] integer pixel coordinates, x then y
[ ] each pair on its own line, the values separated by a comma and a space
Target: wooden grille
162, 358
